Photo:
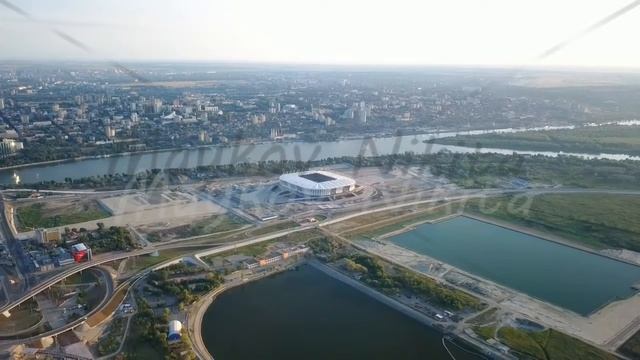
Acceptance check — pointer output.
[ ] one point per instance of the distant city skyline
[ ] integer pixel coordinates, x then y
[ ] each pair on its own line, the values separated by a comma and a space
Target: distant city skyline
356, 32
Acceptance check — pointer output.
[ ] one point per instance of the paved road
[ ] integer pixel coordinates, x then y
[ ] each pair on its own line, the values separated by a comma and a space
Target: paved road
466, 194
101, 259
68, 272
462, 195
108, 294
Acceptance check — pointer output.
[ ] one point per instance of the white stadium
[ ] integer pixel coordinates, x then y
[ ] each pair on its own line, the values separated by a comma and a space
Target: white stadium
317, 183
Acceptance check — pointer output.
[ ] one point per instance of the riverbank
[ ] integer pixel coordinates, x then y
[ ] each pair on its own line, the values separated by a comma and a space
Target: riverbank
307, 314
392, 303
188, 148
418, 142
429, 132
142, 152
612, 138
399, 306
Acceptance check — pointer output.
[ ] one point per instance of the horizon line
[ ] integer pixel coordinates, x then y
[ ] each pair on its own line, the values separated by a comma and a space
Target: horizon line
607, 68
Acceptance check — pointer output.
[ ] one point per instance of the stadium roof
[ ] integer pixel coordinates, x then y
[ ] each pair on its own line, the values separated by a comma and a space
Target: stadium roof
317, 180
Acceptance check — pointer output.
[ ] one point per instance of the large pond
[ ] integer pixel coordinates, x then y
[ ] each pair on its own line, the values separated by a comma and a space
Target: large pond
306, 314
573, 279
221, 155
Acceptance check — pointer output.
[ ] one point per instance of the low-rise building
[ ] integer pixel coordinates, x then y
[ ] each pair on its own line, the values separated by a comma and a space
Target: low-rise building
251, 264
44, 236
270, 259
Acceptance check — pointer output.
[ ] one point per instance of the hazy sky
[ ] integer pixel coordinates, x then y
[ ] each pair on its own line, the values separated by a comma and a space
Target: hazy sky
482, 32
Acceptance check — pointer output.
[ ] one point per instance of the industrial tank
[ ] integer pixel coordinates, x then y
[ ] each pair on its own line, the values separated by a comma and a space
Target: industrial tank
175, 328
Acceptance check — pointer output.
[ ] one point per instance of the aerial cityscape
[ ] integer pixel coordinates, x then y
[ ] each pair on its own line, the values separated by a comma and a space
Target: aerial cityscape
245, 206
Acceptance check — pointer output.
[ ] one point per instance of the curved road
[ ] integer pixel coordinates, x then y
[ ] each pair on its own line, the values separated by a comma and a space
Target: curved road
460, 195
108, 294
464, 194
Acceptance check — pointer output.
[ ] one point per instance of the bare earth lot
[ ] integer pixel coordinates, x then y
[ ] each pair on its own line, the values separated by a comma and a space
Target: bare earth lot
168, 208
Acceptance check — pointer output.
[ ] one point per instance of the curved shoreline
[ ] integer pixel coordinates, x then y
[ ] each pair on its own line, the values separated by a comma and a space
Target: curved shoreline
194, 322
195, 313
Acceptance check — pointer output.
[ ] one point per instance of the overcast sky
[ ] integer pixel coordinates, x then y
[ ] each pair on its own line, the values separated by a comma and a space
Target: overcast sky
465, 32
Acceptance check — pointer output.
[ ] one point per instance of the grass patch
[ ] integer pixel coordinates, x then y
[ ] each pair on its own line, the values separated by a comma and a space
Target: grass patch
274, 228
395, 223
594, 220
144, 261
485, 332
484, 317
39, 216
22, 317
526, 343
550, 345
631, 347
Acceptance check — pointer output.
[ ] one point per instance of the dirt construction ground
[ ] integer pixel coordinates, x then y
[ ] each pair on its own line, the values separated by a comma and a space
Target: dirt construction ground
142, 208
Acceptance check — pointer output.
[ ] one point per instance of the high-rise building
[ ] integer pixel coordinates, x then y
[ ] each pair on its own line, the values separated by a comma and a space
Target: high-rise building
157, 106
1, 103
258, 119
204, 137
276, 134
10, 146
109, 132
362, 112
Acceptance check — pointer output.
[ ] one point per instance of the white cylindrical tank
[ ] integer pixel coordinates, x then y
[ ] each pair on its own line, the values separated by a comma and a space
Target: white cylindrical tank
175, 328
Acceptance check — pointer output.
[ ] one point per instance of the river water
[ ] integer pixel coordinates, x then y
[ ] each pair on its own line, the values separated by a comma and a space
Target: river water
305, 314
221, 155
570, 278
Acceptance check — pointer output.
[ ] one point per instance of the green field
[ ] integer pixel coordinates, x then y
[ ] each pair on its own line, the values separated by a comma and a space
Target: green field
549, 345
594, 140
486, 317
38, 216
594, 220
485, 332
